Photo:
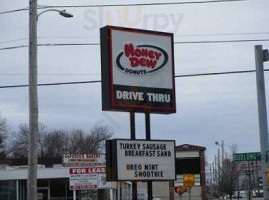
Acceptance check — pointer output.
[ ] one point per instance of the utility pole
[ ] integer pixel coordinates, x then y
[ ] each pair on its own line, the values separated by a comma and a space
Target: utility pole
33, 97
33, 103
260, 57
222, 151
218, 175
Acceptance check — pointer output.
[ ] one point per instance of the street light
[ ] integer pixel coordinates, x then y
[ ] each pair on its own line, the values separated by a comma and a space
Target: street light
222, 158
222, 149
33, 98
61, 12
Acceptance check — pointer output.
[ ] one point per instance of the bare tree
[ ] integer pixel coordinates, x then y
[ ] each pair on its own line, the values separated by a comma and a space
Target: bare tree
99, 134
56, 143
19, 141
228, 177
76, 141
93, 142
250, 178
3, 136
225, 175
42, 133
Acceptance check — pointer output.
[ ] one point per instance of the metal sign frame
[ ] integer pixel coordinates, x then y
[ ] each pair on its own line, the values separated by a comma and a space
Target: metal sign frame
109, 100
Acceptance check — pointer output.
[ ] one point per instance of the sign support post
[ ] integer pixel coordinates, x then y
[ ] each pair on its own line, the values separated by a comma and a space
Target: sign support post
74, 195
189, 193
148, 137
132, 125
132, 130
260, 57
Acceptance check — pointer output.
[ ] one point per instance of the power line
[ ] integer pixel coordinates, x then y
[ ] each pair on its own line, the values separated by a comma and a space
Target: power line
25, 74
143, 4
176, 76
221, 34
68, 44
216, 73
222, 41
98, 81
129, 5
12, 11
96, 44
13, 47
176, 35
14, 40
50, 84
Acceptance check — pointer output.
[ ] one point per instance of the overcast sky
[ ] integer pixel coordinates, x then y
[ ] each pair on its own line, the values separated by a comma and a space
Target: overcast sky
209, 108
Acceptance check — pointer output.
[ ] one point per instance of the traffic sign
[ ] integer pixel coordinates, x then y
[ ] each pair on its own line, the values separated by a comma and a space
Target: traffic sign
252, 156
188, 180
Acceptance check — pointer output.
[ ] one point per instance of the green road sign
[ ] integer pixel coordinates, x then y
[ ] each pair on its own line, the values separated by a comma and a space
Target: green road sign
253, 156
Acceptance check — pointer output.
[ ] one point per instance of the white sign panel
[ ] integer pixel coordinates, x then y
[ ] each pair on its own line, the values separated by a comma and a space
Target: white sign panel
80, 160
145, 160
88, 178
137, 70
102, 183
83, 181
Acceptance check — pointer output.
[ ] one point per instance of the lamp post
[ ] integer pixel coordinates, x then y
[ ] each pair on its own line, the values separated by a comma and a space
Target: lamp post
220, 163
222, 149
33, 98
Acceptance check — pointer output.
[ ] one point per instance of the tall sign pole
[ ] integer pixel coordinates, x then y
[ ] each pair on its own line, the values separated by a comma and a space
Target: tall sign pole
33, 104
260, 57
148, 137
133, 137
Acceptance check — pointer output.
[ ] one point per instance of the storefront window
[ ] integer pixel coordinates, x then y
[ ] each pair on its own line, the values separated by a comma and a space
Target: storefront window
59, 189
22, 189
8, 190
88, 194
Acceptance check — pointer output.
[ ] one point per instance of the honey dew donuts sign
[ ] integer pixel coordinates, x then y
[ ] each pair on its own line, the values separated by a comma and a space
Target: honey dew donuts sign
137, 70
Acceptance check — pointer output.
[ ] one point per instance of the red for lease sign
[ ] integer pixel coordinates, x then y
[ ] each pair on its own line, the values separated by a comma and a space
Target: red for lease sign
88, 170
83, 187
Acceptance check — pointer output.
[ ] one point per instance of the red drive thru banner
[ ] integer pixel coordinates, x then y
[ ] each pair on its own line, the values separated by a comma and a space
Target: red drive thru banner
86, 178
137, 70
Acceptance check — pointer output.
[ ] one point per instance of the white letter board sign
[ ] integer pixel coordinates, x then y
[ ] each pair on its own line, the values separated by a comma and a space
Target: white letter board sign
140, 160
137, 70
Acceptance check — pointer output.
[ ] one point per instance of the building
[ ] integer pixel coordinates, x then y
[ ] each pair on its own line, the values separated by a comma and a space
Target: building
53, 180
190, 159
52, 183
